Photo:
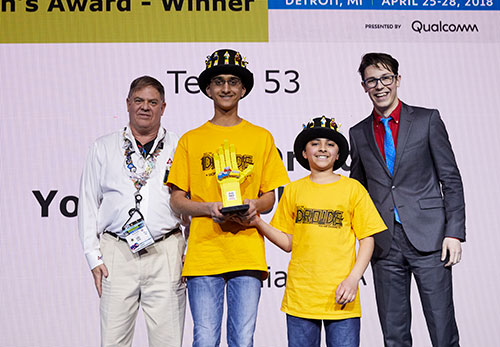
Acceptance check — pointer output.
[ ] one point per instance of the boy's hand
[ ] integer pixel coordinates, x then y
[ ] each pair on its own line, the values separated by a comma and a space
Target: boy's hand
215, 212
249, 217
249, 214
346, 291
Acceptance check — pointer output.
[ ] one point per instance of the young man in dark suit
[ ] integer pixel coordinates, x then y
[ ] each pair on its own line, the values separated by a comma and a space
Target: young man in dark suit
403, 156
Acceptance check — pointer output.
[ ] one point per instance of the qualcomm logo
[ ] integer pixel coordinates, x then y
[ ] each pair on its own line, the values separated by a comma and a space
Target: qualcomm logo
420, 27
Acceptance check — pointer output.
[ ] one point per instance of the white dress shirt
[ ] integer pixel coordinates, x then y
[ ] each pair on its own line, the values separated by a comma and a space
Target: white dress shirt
107, 191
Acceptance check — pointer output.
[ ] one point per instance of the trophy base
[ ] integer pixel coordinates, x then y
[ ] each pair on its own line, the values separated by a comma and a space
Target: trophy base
234, 209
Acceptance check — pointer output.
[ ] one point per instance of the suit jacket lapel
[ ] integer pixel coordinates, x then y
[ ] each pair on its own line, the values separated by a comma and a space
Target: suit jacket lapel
405, 123
370, 136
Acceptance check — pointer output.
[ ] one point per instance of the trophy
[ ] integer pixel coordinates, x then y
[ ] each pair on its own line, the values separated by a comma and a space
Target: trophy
230, 178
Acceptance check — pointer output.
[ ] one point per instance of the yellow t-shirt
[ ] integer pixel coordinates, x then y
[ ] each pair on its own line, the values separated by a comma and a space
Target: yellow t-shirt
218, 248
325, 220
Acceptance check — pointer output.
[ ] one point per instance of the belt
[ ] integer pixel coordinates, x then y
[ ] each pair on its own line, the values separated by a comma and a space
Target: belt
161, 238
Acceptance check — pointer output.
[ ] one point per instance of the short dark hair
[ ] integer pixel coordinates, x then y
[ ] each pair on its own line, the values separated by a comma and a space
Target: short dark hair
377, 59
146, 81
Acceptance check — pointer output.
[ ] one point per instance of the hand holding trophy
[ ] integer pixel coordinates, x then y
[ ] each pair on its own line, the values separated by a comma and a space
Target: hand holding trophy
230, 178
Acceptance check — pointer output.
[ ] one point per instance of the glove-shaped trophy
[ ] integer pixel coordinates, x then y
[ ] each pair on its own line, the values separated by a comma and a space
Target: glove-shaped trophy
230, 178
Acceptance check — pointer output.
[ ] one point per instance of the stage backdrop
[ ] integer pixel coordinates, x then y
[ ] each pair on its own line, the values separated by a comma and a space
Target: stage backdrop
65, 69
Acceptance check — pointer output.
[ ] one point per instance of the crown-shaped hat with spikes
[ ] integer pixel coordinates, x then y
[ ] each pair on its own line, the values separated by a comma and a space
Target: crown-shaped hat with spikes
318, 128
226, 62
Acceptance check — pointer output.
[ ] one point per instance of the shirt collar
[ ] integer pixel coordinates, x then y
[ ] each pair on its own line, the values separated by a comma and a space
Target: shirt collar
160, 136
396, 114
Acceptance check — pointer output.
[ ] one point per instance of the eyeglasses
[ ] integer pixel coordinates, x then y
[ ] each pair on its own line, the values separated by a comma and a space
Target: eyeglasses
232, 82
386, 80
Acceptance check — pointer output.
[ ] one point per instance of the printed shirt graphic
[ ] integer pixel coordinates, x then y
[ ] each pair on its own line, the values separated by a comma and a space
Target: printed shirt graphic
325, 220
218, 248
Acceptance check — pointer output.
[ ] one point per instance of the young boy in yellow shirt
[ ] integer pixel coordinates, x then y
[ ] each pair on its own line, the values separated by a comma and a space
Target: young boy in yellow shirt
318, 219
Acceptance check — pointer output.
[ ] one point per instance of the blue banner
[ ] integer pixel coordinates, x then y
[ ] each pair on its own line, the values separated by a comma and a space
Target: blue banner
421, 5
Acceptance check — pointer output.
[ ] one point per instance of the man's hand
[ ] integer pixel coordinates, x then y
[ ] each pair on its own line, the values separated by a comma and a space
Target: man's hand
346, 291
98, 272
453, 248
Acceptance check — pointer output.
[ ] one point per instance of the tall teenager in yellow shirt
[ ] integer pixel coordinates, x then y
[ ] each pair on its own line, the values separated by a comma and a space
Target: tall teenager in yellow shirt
224, 253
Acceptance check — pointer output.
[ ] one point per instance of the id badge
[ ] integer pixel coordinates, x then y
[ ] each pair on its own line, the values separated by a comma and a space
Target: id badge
138, 236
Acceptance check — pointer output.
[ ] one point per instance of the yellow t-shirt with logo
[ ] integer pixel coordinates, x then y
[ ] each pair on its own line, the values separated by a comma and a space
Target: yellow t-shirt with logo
325, 221
218, 248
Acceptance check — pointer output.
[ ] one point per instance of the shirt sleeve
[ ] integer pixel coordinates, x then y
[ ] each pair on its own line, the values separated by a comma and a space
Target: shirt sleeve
88, 206
449, 177
284, 217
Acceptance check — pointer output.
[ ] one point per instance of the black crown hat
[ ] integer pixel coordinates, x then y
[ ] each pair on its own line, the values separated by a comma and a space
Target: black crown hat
320, 127
225, 62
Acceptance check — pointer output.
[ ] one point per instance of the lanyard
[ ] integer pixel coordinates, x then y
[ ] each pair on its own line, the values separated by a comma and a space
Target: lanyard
139, 179
132, 211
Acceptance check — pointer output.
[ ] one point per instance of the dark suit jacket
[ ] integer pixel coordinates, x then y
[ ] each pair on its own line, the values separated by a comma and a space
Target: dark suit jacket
426, 187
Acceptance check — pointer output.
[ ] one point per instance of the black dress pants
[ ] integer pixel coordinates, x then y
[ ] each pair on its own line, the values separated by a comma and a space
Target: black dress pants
392, 277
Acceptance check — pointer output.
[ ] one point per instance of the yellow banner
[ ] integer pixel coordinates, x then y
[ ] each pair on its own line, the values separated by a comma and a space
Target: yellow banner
69, 21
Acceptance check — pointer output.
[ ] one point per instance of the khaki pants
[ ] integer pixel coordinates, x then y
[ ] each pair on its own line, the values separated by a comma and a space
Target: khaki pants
153, 280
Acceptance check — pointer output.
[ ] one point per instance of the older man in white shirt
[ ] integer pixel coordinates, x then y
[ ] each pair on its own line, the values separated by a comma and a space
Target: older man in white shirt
130, 236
